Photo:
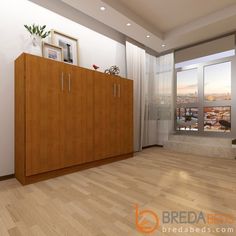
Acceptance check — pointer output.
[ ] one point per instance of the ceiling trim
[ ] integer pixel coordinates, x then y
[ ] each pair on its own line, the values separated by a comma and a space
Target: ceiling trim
134, 17
118, 21
206, 41
113, 20
204, 21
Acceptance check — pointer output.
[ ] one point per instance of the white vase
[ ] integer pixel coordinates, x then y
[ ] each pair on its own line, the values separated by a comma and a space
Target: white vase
35, 46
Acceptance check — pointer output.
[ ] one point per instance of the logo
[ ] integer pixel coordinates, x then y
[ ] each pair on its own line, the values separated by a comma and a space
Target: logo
147, 221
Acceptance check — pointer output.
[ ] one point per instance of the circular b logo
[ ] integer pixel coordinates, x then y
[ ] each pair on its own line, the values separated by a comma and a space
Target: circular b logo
147, 221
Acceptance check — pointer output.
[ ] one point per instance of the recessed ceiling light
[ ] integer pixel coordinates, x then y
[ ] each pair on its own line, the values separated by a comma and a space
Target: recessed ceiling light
102, 8
128, 24
163, 45
148, 36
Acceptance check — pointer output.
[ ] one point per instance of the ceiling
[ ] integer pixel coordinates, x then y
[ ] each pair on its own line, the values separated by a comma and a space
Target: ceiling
173, 23
165, 15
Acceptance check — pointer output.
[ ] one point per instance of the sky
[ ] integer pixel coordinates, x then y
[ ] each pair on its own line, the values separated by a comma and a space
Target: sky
187, 81
217, 80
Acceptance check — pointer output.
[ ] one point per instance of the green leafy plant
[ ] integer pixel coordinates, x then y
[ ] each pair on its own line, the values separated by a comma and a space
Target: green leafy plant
37, 30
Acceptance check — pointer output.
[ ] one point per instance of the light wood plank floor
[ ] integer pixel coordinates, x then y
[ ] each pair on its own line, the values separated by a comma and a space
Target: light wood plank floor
100, 201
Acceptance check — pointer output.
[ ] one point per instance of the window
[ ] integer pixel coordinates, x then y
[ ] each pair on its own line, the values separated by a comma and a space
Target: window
217, 82
187, 119
217, 119
187, 91
203, 99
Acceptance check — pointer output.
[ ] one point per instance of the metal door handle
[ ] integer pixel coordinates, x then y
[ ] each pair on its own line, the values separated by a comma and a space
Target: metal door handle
62, 81
69, 81
119, 90
114, 90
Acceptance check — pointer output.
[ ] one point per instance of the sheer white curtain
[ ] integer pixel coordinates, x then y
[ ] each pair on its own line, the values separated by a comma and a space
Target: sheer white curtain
153, 96
135, 58
158, 87
165, 98
150, 96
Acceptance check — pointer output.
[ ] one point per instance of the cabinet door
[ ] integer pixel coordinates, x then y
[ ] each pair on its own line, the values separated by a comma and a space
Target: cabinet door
104, 115
125, 94
116, 119
43, 99
78, 126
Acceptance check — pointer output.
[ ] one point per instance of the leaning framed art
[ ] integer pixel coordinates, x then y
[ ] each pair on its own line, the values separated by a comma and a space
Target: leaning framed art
69, 45
52, 52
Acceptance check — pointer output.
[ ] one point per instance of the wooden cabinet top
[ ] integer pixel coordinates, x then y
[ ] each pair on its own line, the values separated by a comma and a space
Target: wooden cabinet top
24, 55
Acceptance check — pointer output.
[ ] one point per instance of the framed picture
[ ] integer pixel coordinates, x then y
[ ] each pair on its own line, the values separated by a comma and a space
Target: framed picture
69, 45
52, 52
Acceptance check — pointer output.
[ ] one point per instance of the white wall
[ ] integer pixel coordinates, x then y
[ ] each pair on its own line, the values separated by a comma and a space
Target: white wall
94, 49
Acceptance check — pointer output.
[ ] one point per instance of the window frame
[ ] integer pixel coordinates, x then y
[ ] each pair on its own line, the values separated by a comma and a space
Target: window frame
201, 100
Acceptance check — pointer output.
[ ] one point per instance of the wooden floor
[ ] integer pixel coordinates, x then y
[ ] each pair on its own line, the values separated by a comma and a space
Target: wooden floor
100, 201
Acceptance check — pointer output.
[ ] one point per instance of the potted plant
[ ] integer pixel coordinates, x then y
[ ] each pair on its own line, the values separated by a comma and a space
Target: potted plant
37, 33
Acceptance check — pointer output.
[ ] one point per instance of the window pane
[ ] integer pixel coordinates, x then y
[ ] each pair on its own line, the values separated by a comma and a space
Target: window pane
217, 82
187, 86
217, 119
187, 119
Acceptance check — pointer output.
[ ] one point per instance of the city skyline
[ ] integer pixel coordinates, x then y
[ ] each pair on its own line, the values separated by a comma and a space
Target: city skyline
217, 119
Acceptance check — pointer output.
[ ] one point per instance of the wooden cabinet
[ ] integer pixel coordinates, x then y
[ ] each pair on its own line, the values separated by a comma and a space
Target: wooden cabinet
125, 95
113, 116
104, 116
43, 99
67, 117
78, 128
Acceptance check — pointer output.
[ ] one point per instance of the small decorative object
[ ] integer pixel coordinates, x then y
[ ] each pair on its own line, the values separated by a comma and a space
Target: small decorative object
37, 34
52, 52
114, 70
95, 67
69, 45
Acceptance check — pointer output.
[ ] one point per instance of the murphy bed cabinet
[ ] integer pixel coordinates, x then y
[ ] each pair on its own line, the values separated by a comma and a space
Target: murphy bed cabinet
68, 118
113, 116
